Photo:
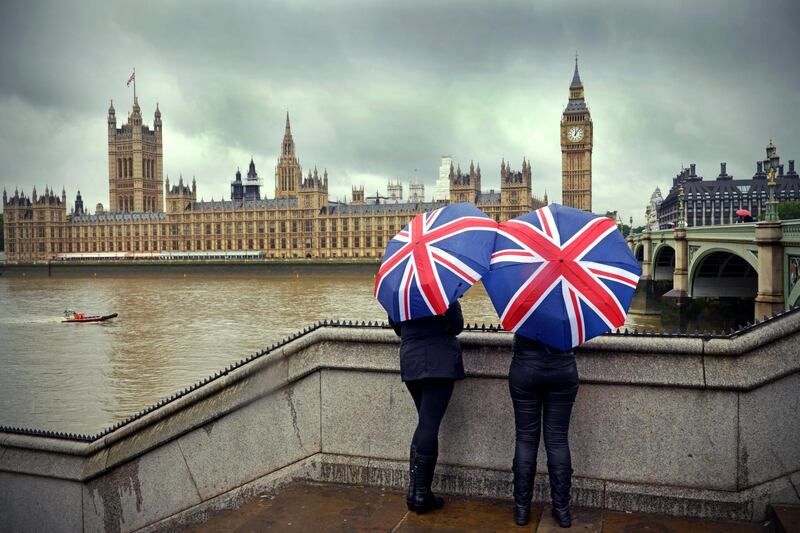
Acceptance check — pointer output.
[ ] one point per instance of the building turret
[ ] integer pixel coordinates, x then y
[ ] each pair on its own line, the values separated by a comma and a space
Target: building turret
112, 117
237, 187
78, 204
394, 190
249, 189
288, 174
416, 192
358, 195
5, 196
157, 119
465, 187
515, 191
180, 197
314, 190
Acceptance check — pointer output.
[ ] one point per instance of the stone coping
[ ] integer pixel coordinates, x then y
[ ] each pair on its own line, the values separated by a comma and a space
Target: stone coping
738, 362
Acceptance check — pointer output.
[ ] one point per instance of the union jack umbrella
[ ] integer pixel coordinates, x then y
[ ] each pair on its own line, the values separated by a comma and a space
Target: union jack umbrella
561, 276
434, 260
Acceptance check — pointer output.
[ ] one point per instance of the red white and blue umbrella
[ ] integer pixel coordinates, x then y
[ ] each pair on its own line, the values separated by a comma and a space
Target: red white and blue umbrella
434, 260
561, 276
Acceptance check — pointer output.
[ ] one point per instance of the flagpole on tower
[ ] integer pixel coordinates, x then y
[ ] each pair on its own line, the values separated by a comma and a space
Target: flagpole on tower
134, 84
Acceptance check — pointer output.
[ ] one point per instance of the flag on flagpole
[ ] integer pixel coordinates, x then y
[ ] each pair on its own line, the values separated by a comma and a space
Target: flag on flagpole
132, 78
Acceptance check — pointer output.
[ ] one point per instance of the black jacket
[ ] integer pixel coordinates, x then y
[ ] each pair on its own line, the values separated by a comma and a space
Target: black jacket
429, 347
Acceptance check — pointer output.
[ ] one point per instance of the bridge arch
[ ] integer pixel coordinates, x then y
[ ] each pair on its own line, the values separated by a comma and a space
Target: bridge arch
723, 272
663, 262
638, 251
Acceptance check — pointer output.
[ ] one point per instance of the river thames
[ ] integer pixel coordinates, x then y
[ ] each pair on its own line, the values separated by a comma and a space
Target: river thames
175, 326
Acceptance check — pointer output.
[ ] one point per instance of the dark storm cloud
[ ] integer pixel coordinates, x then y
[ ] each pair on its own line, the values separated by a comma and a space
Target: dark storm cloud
378, 89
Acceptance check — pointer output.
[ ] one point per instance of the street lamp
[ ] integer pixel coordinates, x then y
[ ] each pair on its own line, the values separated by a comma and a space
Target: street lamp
630, 228
771, 167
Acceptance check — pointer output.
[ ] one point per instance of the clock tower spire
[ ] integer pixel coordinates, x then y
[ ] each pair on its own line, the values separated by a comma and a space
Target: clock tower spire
576, 148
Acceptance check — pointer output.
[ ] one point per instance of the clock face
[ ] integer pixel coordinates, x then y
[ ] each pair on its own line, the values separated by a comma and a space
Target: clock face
575, 134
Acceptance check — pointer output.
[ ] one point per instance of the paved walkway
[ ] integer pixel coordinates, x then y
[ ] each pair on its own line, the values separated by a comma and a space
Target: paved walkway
308, 507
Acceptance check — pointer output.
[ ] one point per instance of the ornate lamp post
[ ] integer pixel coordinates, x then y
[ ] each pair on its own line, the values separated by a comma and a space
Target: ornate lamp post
630, 228
770, 296
771, 167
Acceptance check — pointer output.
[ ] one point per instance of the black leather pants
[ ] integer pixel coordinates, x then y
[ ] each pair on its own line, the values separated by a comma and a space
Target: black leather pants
431, 397
543, 390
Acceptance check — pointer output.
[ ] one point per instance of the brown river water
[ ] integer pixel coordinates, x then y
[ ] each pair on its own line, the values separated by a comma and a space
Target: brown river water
175, 326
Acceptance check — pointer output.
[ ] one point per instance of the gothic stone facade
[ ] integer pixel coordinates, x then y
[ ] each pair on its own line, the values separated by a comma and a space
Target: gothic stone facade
715, 202
299, 222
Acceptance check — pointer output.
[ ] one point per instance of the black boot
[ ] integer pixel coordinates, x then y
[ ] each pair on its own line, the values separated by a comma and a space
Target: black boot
423, 499
560, 483
523, 491
410, 493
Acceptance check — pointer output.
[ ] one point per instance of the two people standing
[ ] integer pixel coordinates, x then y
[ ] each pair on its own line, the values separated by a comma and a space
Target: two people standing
543, 384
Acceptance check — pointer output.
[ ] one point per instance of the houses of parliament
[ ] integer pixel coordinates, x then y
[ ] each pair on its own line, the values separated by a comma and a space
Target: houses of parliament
149, 217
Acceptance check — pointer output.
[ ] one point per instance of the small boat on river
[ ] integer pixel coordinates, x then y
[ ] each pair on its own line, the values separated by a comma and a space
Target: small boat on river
72, 316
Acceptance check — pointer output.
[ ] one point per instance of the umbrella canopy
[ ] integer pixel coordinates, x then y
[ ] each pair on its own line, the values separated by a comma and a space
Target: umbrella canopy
434, 260
743, 212
561, 276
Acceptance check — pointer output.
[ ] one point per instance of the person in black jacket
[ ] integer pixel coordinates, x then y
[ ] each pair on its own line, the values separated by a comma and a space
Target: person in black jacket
430, 364
543, 383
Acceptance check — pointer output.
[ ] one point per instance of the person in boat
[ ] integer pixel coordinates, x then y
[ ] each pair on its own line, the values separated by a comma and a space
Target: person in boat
430, 364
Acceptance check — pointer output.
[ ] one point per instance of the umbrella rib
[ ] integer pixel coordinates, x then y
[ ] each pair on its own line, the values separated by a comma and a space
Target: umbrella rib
544, 275
456, 265
597, 292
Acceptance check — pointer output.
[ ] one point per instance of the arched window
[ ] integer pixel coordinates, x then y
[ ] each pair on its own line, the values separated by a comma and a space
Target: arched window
119, 167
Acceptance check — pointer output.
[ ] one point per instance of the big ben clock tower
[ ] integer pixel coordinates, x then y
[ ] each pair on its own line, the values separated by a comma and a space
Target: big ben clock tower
576, 148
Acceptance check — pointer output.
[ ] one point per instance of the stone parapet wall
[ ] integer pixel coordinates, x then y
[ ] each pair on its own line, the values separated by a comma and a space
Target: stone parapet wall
679, 425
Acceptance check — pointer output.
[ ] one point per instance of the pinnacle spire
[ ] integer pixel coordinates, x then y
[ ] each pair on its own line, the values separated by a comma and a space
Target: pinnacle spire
288, 126
576, 78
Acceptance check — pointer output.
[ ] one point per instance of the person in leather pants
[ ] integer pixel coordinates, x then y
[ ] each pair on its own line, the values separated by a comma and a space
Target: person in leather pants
430, 364
543, 383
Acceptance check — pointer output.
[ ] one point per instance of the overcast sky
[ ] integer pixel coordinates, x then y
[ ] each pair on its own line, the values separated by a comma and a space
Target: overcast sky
378, 89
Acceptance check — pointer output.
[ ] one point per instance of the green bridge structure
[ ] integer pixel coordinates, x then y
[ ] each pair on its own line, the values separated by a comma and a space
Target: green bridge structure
750, 260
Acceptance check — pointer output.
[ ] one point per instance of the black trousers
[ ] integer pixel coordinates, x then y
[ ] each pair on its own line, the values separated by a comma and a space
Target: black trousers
431, 397
543, 390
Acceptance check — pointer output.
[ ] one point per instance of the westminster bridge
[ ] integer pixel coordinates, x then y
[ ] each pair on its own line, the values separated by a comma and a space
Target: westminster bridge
750, 260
